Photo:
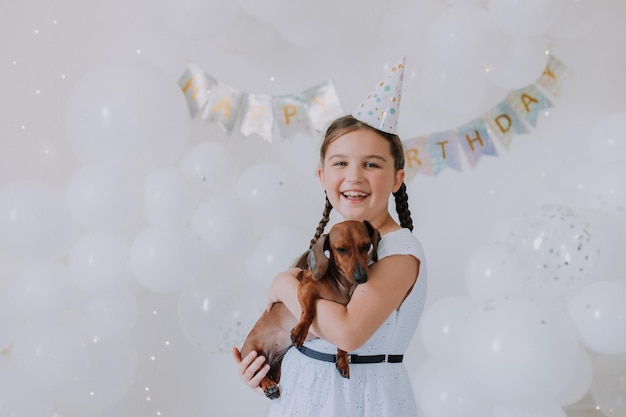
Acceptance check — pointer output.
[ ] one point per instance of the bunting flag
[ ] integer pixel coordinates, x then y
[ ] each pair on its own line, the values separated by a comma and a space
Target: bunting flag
283, 116
310, 111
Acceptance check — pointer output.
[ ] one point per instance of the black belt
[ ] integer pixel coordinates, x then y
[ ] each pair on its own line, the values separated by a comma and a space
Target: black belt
327, 357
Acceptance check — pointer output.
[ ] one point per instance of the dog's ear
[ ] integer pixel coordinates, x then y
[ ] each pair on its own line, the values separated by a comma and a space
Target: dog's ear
318, 261
374, 235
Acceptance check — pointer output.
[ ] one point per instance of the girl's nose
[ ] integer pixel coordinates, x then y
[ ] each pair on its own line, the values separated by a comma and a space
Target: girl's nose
354, 174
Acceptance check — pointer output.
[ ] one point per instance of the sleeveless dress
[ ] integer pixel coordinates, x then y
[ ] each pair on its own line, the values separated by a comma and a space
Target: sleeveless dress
310, 387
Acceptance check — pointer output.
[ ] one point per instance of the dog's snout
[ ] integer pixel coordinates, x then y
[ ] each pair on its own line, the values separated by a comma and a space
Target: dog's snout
360, 275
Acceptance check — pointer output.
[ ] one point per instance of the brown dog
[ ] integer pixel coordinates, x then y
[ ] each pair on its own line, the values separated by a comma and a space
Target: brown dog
349, 245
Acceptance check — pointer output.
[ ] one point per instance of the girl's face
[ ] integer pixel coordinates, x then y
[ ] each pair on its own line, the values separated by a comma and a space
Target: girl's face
358, 176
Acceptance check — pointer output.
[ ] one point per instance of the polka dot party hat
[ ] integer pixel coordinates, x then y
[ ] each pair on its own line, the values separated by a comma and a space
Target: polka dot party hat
382, 106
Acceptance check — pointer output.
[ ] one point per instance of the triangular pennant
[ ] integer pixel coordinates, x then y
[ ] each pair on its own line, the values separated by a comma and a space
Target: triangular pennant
505, 123
443, 151
528, 102
416, 157
475, 141
258, 116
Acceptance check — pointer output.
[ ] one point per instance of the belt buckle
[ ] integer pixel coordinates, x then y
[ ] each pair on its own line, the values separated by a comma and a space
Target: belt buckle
349, 358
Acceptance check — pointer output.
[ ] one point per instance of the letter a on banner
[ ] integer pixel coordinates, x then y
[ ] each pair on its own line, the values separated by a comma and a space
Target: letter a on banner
528, 102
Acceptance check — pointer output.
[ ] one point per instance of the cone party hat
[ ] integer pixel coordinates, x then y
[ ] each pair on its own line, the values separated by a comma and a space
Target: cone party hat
381, 108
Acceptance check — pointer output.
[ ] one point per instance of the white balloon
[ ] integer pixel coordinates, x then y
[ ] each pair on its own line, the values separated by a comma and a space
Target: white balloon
100, 198
607, 139
34, 222
580, 383
99, 262
599, 313
278, 249
441, 325
607, 190
110, 316
491, 271
518, 61
198, 19
268, 188
216, 314
556, 250
463, 35
42, 290
526, 18
102, 384
169, 198
48, 355
165, 259
450, 90
225, 225
127, 113
213, 164
529, 410
446, 392
518, 351
578, 19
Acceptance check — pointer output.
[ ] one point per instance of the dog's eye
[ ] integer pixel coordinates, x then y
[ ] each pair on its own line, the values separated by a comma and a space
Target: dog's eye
366, 247
341, 250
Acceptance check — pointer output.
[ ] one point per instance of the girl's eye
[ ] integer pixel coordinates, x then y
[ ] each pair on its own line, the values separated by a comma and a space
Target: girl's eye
340, 164
371, 165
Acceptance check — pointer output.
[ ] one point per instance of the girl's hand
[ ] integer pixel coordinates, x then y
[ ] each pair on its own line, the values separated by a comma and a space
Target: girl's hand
278, 285
251, 369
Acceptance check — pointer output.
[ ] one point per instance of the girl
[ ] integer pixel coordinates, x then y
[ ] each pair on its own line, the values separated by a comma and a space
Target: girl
361, 166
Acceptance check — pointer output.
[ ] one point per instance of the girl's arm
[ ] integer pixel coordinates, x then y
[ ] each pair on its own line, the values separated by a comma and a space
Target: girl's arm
349, 327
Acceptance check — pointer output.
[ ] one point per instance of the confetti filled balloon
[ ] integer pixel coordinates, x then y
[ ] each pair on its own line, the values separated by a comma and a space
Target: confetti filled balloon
556, 250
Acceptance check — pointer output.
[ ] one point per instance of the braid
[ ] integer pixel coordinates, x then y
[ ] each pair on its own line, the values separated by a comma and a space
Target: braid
323, 222
402, 207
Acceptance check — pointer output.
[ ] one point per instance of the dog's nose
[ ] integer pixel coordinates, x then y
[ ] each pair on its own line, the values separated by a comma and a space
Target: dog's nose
360, 275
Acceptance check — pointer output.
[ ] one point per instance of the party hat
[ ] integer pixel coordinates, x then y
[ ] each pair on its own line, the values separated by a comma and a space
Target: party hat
381, 108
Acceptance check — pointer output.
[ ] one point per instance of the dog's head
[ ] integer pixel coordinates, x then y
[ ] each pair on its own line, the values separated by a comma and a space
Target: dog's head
349, 245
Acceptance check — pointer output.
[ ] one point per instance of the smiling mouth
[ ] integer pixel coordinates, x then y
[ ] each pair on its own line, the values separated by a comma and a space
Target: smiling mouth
354, 195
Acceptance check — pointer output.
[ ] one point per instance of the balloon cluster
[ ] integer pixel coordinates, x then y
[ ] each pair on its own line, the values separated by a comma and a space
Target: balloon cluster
543, 323
145, 212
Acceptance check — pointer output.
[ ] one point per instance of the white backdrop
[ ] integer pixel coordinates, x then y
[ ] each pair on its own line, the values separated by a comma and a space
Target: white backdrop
135, 242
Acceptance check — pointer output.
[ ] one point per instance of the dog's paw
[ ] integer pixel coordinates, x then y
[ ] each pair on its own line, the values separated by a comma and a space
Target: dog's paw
344, 371
298, 336
272, 392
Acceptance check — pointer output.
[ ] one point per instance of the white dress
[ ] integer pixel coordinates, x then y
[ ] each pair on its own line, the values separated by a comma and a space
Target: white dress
310, 387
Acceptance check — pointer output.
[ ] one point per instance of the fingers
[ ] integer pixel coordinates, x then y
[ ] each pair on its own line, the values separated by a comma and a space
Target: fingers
236, 354
252, 369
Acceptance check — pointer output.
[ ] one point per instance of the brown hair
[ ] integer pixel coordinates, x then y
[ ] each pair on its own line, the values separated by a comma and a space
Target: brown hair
347, 124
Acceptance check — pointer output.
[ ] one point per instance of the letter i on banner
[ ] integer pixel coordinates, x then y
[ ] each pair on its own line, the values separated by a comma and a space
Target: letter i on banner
528, 102
475, 141
323, 105
258, 116
416, 157
223, 106
505, 123
196, 86
553, 76
443, 151
290, 113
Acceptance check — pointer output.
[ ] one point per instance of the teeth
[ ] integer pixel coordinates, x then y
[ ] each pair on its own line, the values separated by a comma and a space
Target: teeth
354, 194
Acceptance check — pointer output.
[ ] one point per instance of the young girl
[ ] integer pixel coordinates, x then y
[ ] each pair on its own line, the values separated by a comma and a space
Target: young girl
360, 167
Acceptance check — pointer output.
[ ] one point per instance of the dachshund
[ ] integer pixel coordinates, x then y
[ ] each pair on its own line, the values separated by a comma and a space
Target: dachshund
350, 245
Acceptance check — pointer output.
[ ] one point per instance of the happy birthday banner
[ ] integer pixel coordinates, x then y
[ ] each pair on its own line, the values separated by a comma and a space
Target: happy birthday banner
304, 112
311, 110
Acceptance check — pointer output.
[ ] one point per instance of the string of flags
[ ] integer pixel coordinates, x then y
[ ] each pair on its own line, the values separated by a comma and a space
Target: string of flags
311, 111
